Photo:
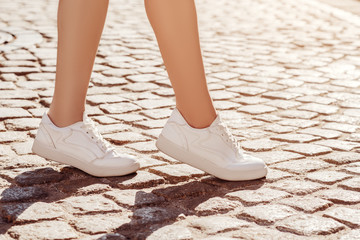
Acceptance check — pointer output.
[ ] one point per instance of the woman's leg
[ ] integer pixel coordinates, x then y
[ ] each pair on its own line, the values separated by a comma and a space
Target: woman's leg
80, 25
175, 25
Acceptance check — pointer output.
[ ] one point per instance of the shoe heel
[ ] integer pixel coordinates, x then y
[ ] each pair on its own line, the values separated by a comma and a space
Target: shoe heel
46, 152
172, 150
168, 148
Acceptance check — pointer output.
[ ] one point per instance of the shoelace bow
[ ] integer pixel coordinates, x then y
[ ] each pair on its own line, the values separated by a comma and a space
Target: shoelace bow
230, 136
90, 126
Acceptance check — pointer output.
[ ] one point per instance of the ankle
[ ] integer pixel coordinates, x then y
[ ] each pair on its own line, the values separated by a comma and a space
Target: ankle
62, 122
199, 121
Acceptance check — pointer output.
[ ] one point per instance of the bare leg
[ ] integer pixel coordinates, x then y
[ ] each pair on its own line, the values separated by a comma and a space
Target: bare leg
175, 25
80, 25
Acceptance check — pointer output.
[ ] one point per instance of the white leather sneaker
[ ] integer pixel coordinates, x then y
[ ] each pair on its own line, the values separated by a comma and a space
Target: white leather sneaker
212, 149
82, 146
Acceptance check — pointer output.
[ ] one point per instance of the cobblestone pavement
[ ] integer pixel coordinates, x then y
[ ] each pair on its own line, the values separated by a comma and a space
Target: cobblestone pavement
284, 74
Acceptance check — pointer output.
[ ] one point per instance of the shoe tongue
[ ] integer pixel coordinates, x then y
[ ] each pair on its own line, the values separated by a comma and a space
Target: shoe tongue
85, 116
80, 123
216, 121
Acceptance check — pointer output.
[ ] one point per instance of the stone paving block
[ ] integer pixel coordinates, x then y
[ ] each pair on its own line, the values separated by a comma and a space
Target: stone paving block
338, 144
126, 137
171, 232
113, 128
249, 100
108, 236
256, 109
352, 112
4, 183
266, 213
350, 103
131, 197
13, 136
298, 187
19, 94
284, 104
93, 188
30, 212
22, 194
177, 172
142, 179
337, 157
319, 108
155, 103
259, 233
262, 195
225, 105
351, 235
128, 117
147, 215
157, 113
276, 128
104, 98
224, 75
140, 87
260, 145
143, 147
327, 177
274, 175
324, 133
281, 95
216, 224
351, 184
89, 204
295, 137
151, 124
222, 95
340, 196
184, 191
345, 215
277, 156
100, 223
297, 114
307, 204
267, 117
342, 127
44, 230
39, 176
316, 99
337, 118
217, 205
301, 123
115, 108
22, 124
308, 149
306, 224
147, 162
247, 91
21, 148
299, 166
24, 161
144, 77
19, 103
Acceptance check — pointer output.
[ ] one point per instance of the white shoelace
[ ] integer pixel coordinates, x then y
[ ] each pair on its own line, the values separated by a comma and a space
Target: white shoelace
90, 127
230, 138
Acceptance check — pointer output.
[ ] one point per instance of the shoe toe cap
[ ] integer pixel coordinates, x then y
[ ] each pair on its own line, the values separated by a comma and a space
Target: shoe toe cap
249, 163
118, 161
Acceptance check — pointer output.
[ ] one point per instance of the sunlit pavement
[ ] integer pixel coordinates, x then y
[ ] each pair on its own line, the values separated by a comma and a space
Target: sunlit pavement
283, 73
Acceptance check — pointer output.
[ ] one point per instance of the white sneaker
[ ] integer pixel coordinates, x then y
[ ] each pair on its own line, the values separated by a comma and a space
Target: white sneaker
81, 145
212, 149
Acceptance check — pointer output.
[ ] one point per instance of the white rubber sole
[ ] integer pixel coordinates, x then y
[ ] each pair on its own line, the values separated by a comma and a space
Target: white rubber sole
54, 155
194, 160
